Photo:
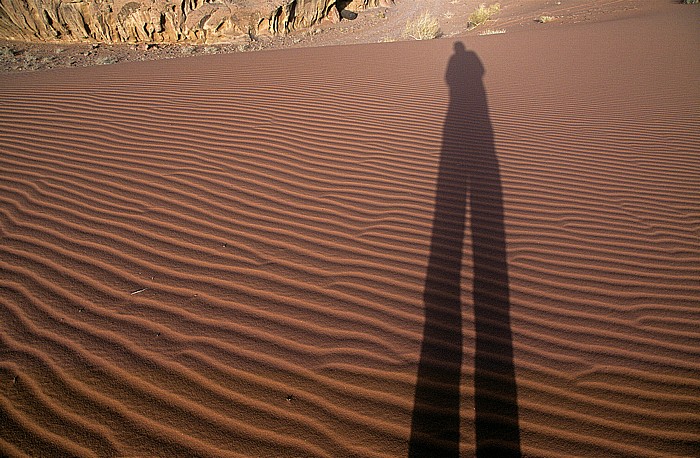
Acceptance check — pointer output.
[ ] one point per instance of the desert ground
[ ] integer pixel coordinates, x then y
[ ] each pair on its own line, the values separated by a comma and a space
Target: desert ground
346, 243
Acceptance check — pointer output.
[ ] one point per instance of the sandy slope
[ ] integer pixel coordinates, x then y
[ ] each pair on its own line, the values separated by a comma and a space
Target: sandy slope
227, 255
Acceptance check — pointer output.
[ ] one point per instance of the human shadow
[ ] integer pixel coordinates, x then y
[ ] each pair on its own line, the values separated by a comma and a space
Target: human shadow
468, 174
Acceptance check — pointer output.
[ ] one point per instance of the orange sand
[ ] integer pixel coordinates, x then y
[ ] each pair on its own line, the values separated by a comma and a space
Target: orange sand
227, 255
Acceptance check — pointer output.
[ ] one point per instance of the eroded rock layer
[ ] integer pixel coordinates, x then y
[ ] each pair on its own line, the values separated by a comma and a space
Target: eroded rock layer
201, 21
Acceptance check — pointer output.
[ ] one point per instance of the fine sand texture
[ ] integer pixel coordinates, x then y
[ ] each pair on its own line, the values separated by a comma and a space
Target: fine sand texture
482, 245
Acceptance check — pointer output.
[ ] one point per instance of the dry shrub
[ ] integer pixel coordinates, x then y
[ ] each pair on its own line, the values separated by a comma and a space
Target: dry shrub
426, 27
482, 14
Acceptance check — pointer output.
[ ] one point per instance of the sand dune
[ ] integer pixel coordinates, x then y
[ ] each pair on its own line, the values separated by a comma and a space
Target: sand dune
227, 255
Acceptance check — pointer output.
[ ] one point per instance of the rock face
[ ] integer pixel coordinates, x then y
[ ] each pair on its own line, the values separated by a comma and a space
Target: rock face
170, 21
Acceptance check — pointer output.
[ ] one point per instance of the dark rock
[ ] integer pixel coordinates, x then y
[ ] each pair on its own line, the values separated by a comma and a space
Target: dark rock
347, 14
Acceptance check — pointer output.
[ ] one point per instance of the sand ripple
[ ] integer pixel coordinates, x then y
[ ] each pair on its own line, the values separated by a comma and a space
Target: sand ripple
226, 255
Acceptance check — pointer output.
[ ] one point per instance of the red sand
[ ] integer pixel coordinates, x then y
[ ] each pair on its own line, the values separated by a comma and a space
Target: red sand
226, 255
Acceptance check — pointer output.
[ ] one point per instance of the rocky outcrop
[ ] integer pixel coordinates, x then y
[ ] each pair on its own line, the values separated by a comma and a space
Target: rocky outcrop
171, 21
301, 14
